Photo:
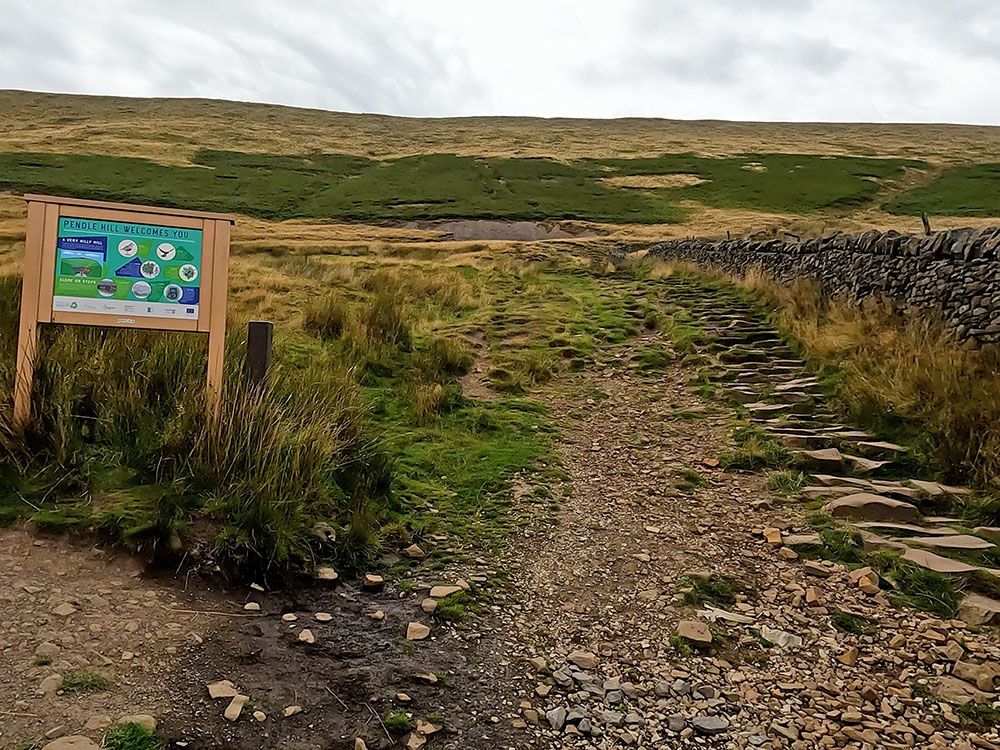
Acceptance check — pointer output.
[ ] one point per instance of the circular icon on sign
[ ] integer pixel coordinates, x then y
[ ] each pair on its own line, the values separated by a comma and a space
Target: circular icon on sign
141, 290
150, 269
107, 287
165, 251
172, 293
127, 248
188, 272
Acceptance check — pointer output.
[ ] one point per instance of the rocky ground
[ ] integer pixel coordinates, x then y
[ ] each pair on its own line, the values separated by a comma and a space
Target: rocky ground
808, 653
674, 604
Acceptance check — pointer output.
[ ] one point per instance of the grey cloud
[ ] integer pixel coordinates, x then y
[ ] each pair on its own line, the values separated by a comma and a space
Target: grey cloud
735, 59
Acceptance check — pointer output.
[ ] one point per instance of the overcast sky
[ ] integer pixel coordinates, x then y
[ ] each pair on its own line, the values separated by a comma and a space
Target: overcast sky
830, 60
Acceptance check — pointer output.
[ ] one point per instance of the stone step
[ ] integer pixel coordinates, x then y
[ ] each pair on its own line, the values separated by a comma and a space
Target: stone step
865, 465
875, 448
934, 489
908, 527
792, 397
865, 506
816, 491
952, 541
946, 565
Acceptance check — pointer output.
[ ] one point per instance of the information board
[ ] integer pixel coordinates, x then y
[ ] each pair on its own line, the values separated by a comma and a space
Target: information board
119, 265
120, 268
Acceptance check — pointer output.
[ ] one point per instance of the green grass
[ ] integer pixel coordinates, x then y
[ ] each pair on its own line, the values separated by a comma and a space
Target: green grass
786, 482
791, 183
131, 737
84, 681
457, 608
847, 622
836, 544
682, 645
364, 427
717, 589
916, 587
689, 480
978, 715
754, 450
397, 722
968, 190
439, 186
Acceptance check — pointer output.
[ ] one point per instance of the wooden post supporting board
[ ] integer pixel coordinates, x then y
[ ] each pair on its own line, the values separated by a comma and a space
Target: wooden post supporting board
121, 266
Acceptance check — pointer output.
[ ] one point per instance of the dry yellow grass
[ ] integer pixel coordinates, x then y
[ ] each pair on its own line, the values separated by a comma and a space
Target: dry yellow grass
170, 130
653, 181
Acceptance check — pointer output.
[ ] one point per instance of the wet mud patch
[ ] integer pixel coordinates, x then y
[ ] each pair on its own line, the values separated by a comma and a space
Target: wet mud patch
344, 681
521, 231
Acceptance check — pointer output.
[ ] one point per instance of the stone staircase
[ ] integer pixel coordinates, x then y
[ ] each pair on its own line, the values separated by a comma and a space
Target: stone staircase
754, 368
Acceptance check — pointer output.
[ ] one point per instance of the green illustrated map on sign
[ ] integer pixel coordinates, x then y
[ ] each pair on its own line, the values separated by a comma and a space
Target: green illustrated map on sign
127, 269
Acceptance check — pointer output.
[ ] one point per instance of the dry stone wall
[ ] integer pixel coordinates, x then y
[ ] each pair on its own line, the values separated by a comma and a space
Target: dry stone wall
956, 272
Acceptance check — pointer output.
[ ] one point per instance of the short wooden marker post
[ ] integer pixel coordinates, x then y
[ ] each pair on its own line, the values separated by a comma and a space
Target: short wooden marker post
122, 266
260, 333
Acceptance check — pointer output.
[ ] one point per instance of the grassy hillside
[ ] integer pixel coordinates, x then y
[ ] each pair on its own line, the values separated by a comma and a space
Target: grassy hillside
446, 186
631, 178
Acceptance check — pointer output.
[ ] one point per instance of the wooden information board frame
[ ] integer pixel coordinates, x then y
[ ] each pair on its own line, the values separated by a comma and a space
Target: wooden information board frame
37, 288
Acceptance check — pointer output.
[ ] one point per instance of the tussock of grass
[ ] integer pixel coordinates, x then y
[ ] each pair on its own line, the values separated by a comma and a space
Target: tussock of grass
328, 317
689, 480
978, 715
847, 622
682, 645
836, 543
457, 608
131, 737
538, 366
654, 358
915, 586
685, 337
397, 722
443, 358
717, 589
84, 681
754, 451
431, 400
786, 482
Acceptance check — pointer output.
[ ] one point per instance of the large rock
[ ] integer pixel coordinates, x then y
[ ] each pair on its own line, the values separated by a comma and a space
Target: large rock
417, 631
907, 527
865, 465
440, 592
146, 721
556, 718
692, 630
864, 506
958, 692
980, 675
976, 609
583, 659
710, 724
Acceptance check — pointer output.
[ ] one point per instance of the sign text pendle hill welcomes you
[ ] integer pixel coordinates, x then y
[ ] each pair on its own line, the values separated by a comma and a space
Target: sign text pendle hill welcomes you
123, 266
